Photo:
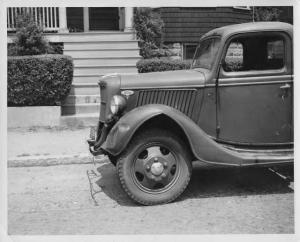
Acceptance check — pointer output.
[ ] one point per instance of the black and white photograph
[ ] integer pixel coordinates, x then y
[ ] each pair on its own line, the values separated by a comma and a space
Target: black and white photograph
167, 119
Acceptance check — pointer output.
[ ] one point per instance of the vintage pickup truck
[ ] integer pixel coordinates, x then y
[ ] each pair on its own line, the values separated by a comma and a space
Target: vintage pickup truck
233, 107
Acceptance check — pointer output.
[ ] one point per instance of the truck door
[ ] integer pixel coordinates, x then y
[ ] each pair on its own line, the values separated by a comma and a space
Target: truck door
255, 91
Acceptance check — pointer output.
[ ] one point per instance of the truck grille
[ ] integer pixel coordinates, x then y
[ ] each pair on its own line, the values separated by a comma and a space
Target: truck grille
183, 100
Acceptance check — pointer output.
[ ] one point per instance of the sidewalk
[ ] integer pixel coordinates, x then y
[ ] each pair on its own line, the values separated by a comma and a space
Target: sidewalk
43, 147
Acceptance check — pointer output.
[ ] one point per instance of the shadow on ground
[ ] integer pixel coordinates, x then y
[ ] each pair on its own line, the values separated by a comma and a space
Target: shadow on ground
214, 182
234, 182
110, 185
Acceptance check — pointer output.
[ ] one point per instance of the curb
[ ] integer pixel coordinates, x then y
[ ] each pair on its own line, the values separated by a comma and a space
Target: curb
54, 160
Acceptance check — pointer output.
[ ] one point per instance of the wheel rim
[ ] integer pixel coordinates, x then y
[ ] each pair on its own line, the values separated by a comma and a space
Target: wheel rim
155, 168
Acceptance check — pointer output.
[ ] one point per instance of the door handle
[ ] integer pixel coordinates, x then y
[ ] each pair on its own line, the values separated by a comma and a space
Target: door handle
286, 86
284, 92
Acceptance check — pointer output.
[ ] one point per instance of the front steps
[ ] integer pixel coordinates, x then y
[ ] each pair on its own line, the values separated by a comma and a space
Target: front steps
82, 70
95, 54
101, 52
119, 60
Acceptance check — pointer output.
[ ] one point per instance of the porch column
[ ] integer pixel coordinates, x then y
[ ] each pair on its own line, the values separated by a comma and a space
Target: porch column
128, 19
63, 21
86, 19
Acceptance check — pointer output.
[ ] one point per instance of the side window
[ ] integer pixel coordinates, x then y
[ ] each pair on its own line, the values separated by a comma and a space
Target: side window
234, 57
276, 54
255, 53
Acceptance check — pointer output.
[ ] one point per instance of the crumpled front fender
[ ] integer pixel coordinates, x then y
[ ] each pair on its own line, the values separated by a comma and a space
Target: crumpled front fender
203, 147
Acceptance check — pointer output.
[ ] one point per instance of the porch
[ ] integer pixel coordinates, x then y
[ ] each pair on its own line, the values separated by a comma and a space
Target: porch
100, 41
75, 19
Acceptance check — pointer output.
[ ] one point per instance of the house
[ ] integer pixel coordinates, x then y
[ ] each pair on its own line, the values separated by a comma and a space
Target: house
184, 26
100, 40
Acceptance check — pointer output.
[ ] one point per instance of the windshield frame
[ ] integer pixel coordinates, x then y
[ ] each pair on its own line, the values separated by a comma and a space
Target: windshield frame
214, 57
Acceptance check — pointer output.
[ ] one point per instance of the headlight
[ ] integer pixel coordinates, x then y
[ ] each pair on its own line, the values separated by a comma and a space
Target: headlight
117, 104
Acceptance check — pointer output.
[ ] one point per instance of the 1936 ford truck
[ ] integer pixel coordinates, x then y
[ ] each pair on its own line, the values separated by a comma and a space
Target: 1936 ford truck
233, 107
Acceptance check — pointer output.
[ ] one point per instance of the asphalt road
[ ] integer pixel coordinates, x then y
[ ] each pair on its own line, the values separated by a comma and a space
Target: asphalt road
57, 200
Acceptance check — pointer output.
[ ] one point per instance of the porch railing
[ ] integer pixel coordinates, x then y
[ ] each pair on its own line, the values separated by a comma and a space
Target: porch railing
46, 17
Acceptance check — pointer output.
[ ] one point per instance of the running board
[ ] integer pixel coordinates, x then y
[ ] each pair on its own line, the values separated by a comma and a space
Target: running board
264, 156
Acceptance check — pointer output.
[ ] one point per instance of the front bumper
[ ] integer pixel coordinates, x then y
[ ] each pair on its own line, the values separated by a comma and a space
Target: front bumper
97, 138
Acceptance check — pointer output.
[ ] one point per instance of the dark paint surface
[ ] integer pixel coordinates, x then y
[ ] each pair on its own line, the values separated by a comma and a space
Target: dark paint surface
245, 108
255, 114
230, 30
167, 79
204, 147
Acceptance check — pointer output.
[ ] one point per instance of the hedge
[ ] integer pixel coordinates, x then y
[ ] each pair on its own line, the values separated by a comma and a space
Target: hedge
154, 65
233, 65
43, 80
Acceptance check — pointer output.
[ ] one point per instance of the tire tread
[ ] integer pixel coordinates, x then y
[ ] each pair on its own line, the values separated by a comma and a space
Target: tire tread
121, 160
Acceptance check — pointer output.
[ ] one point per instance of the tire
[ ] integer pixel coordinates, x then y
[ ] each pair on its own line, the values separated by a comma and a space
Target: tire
155, 168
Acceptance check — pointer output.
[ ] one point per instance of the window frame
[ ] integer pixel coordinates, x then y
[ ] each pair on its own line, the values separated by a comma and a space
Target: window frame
184, 49
283, 70
217, 54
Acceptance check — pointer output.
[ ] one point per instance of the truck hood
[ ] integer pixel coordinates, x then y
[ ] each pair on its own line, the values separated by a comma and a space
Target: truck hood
167, 79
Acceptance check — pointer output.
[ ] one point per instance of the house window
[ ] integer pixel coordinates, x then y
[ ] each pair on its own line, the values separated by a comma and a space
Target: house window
255, 53
189, 51
75, 19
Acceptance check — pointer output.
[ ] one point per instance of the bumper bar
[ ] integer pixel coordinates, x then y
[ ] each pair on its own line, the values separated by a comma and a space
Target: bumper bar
98, 138
93, 151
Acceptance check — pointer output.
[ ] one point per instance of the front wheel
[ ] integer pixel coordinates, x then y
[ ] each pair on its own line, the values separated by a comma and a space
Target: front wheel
155, 168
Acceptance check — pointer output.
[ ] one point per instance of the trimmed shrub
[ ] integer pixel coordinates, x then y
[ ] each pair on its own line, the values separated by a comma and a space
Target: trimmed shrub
43, 80
148, 26
52, 48
233, 65
155, 65
29, 37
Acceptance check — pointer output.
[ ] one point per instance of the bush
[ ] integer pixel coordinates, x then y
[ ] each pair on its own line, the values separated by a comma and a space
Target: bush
233, 65
53, 48
148, 26
154, 65
29, 38
56, 48
38, 80
267, 13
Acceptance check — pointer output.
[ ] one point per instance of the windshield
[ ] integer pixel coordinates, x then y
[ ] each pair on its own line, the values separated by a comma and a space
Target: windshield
206, 53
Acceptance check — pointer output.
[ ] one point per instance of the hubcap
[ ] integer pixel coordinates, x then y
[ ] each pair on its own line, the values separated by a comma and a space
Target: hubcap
155, 168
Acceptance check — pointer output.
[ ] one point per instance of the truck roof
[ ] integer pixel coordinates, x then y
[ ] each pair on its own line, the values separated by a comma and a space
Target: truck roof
250, 27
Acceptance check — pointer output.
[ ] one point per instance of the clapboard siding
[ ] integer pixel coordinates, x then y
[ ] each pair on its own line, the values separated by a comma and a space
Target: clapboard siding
203, 20
206, 15
189, 24
204, 10
186, 30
